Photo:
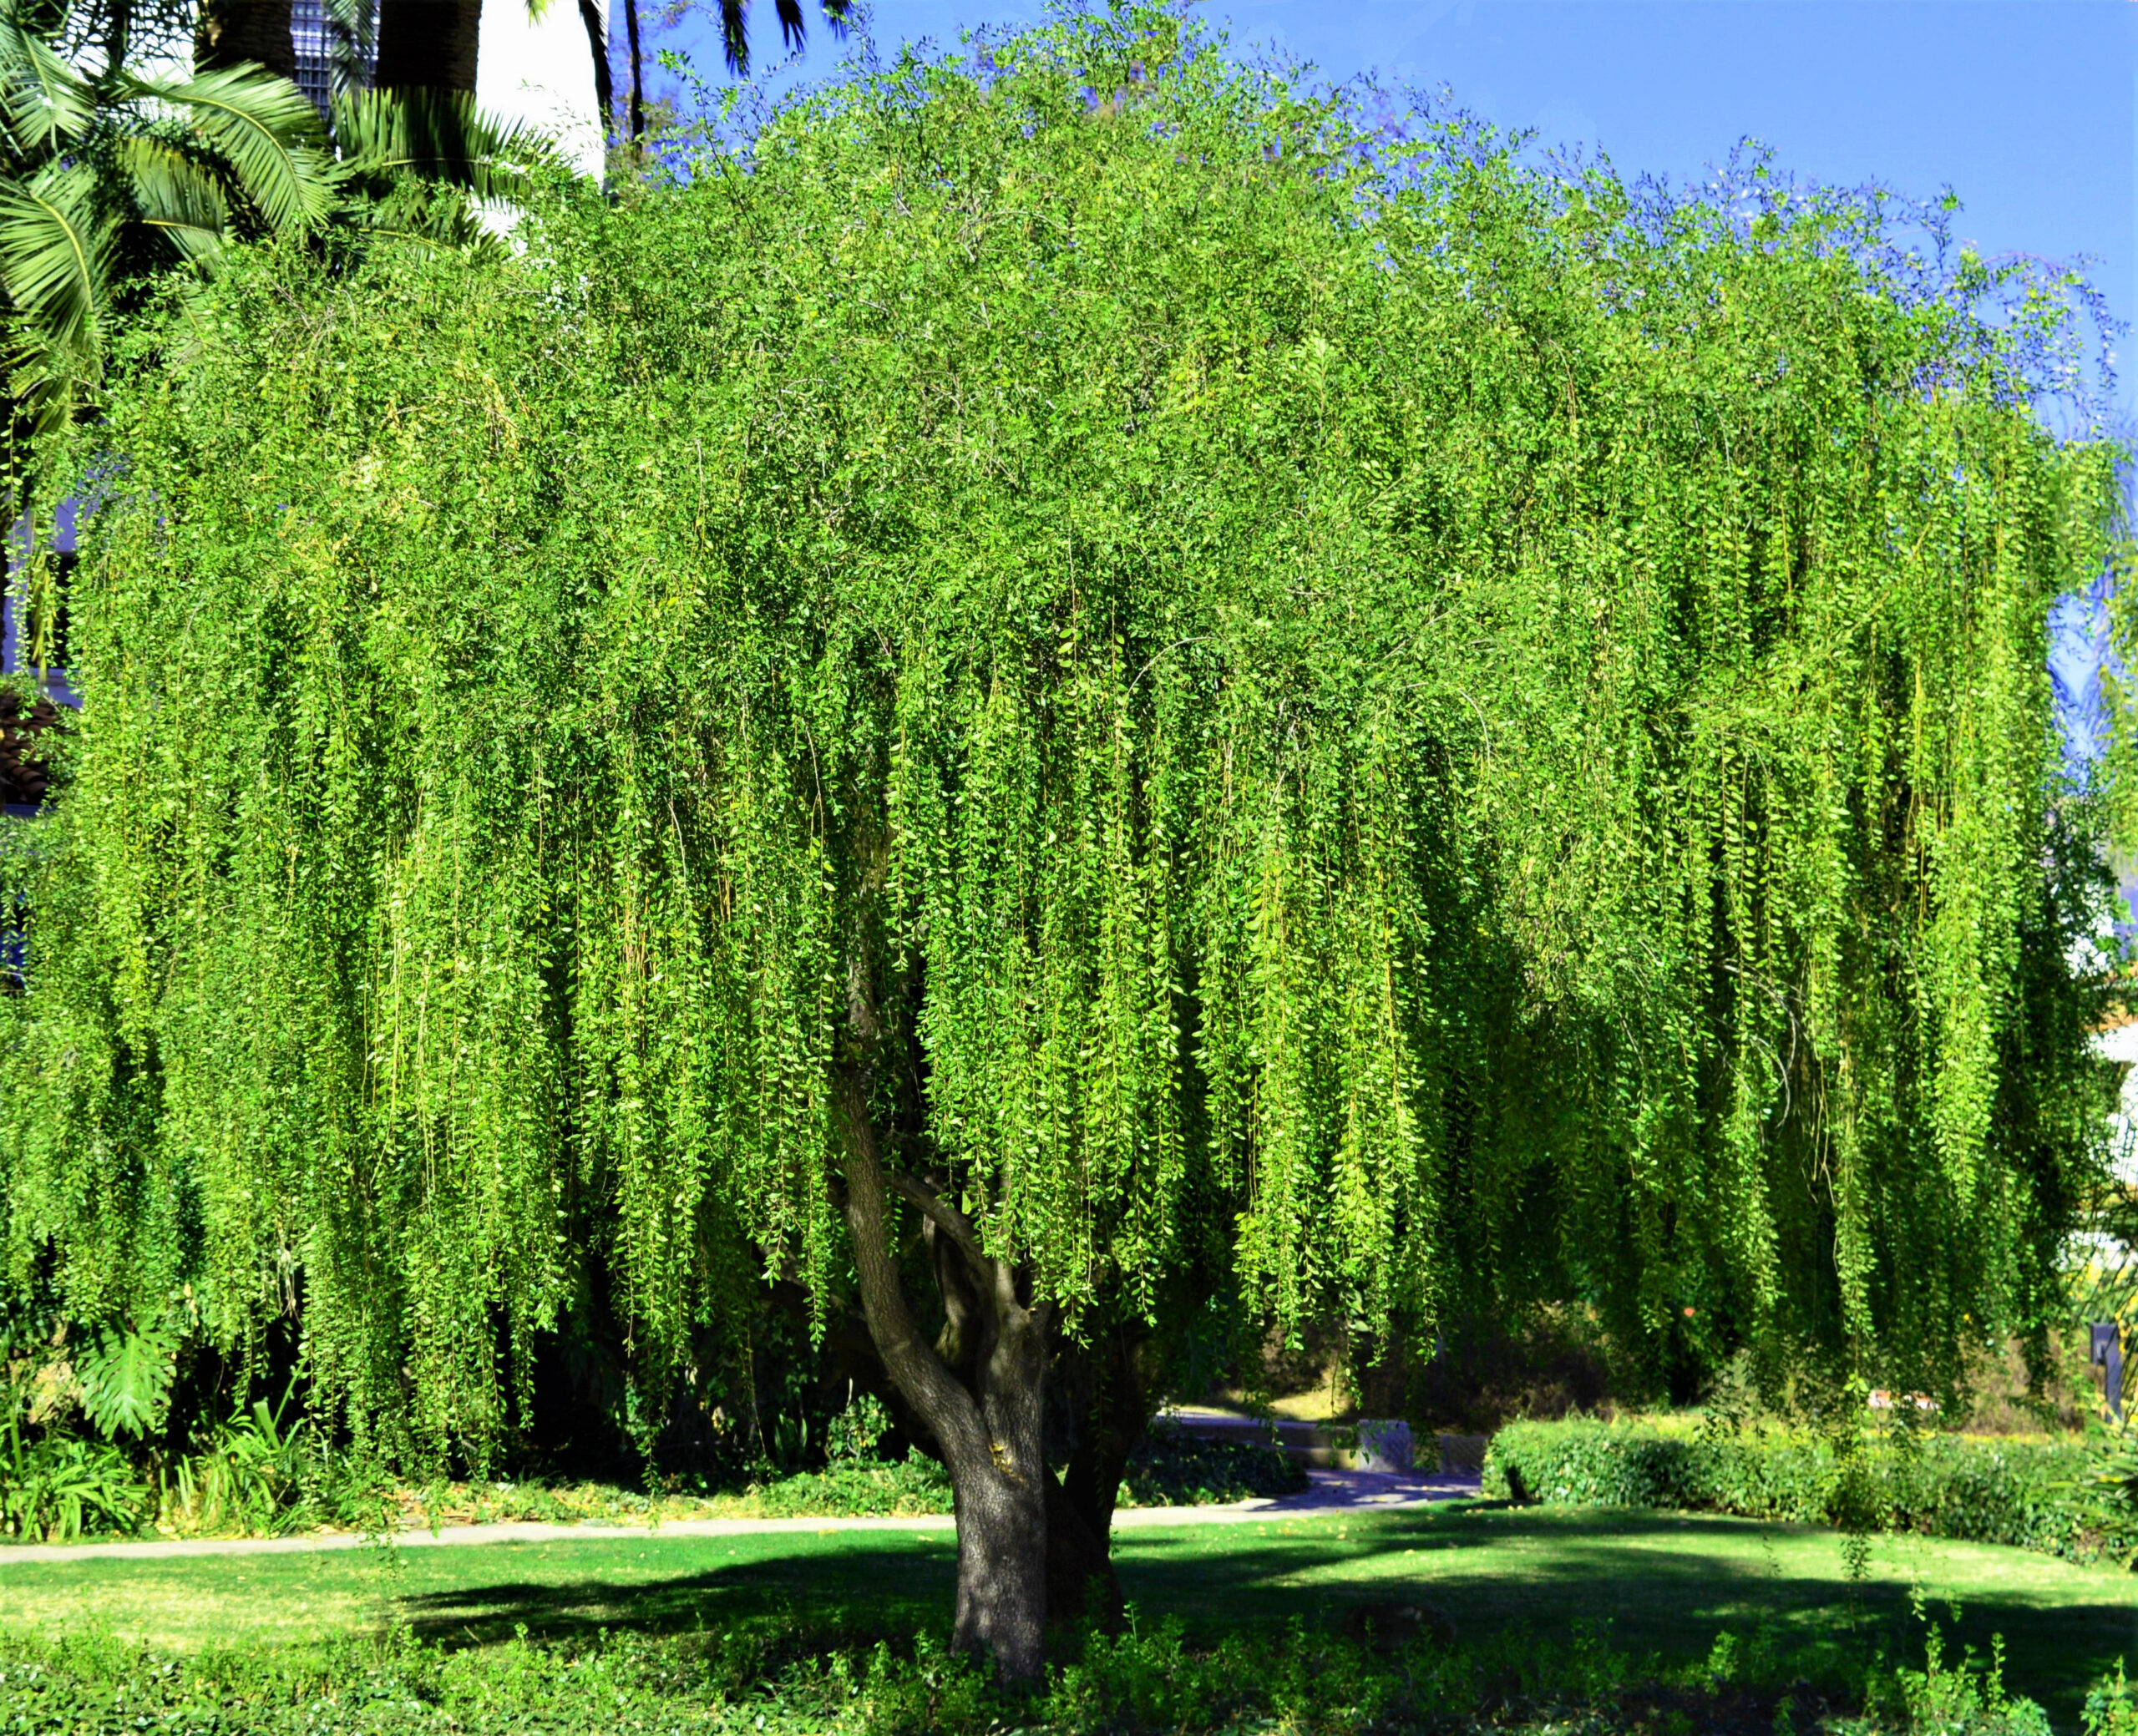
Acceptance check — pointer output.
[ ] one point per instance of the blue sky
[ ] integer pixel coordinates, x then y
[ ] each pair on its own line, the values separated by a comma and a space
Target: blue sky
2023, 107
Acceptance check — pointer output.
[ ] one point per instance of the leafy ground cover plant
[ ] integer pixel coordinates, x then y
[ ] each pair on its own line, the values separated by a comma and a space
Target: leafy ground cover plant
1174, 1470
916, 1485
1391, 1673
57, 1487
789, 1678
247, 1482
1674, 1584
2041, 1496
1968, 1698
2112, 1707
1168, 1469
261, 1473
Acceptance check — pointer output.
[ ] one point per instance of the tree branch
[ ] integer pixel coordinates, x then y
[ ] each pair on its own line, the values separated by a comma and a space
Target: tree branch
910, 1360
946, 1218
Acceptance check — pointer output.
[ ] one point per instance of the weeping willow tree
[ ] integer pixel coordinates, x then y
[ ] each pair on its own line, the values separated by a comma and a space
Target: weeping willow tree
1071, 660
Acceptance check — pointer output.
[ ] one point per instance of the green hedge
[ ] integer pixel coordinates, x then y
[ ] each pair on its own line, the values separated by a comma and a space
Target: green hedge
2036, 1494
908, 1487
1168, 1469
1173, 1470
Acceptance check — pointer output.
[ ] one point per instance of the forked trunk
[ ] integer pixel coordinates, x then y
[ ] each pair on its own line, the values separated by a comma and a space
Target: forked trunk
981, 1391
1104, 1407
1095, 1415
1080, 1576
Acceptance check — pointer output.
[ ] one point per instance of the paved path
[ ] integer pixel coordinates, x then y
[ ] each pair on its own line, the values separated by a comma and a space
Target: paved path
1333, 1493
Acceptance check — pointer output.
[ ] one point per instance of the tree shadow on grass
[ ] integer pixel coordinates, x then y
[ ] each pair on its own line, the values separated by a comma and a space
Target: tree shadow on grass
858, 1592
1658, 1584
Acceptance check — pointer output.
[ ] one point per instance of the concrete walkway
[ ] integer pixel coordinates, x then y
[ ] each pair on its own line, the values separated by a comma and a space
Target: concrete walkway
1333, 1493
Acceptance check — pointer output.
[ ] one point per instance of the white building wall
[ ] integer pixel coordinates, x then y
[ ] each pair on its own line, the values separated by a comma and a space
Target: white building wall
540, 71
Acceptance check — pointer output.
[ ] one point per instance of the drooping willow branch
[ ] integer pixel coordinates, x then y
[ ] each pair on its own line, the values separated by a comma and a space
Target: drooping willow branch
1452, 747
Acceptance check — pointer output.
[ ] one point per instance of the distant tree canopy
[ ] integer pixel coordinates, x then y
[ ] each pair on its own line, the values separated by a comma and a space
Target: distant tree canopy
1066, 650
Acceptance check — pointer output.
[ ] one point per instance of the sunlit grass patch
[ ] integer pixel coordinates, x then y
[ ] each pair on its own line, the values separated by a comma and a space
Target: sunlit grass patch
1654, 1584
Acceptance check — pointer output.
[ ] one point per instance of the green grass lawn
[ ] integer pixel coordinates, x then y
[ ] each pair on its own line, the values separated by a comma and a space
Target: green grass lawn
1662, 1583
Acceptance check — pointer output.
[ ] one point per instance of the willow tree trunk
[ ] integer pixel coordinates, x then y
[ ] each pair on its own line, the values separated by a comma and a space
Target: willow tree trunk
1098, 1413
980, 1389
1000, 1497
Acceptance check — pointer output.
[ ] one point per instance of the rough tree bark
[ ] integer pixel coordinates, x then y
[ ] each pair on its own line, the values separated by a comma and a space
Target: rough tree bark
231, 33
989, 1423
1097, 1413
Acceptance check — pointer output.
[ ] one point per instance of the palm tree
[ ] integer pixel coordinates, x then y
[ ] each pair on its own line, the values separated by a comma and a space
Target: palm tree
734, 42
103, 179
421, 165
436, 45
735, 30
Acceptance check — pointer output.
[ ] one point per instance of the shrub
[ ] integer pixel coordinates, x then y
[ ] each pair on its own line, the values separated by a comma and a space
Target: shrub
2037, 1495
1168, 1469
851, 1488
57, 1488
780, 1677
1173, 1470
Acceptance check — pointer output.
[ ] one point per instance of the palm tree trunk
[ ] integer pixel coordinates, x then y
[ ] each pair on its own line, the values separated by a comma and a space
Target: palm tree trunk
232, 31
118, 36
597, 38
428, 43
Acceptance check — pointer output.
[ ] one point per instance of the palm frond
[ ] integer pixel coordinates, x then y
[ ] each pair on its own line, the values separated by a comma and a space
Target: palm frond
268, 131
793, 27
42, 99
443, 219
55, 258
735, 36
177, 197
435, 135
351, 44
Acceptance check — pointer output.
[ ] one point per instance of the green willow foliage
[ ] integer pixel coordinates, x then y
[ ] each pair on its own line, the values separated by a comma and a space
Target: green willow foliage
1463, 743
